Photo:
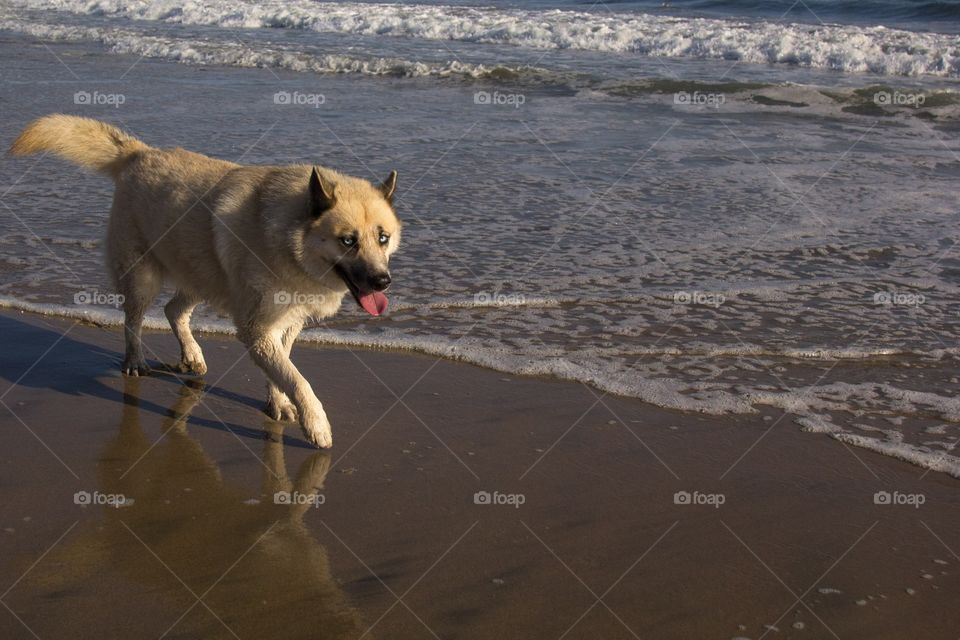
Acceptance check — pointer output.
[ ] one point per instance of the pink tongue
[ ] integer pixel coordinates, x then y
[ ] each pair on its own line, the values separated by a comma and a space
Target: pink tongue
373, 303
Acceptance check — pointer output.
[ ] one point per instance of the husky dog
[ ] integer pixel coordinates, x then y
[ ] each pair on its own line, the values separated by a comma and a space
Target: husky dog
270, 246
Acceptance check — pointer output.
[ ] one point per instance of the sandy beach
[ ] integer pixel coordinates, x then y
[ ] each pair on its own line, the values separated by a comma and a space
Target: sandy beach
671, 349
583, 536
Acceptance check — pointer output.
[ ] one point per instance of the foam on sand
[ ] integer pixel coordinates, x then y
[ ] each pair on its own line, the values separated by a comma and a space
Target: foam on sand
813, 406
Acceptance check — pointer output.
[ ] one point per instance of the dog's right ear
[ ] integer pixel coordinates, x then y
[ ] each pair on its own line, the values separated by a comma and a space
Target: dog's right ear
321, 193
389, 186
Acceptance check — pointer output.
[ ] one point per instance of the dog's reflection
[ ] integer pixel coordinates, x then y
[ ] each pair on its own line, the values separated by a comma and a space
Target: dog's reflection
254, 565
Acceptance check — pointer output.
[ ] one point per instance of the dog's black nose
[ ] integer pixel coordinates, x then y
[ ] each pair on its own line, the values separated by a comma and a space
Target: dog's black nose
380, 281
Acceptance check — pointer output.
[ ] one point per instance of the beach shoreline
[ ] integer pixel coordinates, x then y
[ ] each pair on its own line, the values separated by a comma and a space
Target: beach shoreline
854, 315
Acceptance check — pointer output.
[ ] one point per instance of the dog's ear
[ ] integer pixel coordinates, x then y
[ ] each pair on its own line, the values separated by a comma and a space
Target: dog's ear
389, 186
322, 193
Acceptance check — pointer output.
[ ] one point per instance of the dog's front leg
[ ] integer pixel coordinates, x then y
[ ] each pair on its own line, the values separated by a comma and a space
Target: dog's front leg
268, 352
279, 406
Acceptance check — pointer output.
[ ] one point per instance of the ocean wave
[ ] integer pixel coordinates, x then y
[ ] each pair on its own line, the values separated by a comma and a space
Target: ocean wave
737, 96
230, 53
837, 47
887, 12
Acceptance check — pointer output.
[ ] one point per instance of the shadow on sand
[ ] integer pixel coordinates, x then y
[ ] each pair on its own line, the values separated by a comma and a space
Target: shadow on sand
54, 360
236, 566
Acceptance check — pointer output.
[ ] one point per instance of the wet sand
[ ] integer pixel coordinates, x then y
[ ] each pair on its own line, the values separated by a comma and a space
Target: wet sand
389, 542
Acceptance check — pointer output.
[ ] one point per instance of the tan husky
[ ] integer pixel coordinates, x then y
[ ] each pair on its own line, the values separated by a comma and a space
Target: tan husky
270, 246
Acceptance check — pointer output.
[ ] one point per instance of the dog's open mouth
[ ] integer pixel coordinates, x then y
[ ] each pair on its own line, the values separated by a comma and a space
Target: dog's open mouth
373, 302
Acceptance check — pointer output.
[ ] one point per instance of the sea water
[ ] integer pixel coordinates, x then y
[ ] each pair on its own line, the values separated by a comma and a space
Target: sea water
712, 206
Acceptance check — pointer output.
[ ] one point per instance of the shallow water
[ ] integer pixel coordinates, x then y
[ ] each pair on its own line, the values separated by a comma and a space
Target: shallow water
575, 219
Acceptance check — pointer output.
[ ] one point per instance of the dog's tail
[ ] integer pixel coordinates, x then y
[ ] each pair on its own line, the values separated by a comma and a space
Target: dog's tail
89, 143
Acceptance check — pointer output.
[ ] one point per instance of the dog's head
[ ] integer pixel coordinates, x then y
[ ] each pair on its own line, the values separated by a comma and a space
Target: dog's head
352, 231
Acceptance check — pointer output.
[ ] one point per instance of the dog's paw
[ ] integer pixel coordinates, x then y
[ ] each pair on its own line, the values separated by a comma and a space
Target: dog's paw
191, 360
320, 439
195, 367
135, 367
281, 409
317, 429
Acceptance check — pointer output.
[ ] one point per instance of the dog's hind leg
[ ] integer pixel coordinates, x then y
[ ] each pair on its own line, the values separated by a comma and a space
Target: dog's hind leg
178, 312
139, 284
279, 406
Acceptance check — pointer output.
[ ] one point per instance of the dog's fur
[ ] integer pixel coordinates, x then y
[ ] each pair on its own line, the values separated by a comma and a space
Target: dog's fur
265, 245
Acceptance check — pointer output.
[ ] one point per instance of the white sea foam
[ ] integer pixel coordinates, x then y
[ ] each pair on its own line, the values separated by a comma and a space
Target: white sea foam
845, 48
922, 456
812, 405
230, 53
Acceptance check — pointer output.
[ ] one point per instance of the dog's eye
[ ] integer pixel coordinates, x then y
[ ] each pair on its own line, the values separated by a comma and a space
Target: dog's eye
384, 238
348, 241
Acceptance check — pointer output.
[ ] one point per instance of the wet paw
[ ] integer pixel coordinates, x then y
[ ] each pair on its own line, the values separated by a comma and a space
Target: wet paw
135, 367
317, 429
281, 410
195, 367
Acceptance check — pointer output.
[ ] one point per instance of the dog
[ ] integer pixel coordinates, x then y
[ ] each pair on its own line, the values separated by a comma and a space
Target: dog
270, 246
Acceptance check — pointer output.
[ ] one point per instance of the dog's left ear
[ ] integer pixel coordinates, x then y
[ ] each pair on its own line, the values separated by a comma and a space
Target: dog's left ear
322, 195
389, 186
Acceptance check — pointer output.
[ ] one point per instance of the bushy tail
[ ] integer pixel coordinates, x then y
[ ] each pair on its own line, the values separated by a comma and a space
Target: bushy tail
89, 143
